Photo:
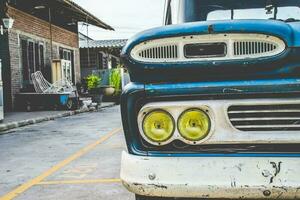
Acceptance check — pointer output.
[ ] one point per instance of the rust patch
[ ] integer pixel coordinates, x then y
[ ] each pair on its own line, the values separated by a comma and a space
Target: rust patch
159, 186
137, 184
281, 187
210, 29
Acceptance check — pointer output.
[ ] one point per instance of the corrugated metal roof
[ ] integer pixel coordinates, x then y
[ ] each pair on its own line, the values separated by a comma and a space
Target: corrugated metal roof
103, 43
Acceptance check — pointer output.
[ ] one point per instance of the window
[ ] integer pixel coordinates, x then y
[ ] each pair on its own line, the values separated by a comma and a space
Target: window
114, 62
168, 14
65, 54
100, 57
37, 57
31, 57
182, 11
174, 11
282, 13
42, 58
32, 54
25, 69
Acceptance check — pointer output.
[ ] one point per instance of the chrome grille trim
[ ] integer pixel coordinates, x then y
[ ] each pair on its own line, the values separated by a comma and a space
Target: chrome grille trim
276, 117
268, 126
264, 118
239, 46
261, 111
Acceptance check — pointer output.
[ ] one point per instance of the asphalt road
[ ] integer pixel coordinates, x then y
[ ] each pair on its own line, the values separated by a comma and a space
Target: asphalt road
69, 158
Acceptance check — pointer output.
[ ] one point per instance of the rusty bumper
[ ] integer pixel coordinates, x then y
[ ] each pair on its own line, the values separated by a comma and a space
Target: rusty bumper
212, 177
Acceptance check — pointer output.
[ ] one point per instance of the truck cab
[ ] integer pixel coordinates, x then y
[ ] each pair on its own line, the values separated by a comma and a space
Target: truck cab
213, 109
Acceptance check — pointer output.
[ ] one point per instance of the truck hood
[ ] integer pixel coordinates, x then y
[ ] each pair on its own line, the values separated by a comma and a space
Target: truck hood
283, 65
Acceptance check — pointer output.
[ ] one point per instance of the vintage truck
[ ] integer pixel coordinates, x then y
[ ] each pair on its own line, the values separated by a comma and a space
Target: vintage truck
213, 110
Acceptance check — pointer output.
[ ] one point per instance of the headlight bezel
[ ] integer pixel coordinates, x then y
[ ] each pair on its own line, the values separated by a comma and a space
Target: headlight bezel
165, 112
194, 109
175, 111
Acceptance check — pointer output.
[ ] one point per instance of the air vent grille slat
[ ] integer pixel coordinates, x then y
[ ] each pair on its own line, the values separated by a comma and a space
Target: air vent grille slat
279, 117
162, 52
242, 48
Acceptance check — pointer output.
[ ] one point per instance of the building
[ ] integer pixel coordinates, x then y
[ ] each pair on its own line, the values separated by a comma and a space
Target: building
83, 37
99, 54
43, 31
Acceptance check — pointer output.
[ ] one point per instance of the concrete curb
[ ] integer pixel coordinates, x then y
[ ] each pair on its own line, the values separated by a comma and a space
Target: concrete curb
12, 125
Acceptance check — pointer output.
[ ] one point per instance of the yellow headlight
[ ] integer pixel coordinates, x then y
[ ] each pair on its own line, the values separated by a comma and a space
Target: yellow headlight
194, 124
158, 126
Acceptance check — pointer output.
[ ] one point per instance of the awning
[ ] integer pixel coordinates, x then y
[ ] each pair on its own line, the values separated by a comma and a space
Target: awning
83, 15
65, 11
120, 43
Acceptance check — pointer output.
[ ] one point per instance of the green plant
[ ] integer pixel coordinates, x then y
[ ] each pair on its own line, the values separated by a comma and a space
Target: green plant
93, 81
115, 80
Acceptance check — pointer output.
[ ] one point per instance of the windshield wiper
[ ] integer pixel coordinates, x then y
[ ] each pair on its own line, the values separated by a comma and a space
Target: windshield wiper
286, 20
291, 20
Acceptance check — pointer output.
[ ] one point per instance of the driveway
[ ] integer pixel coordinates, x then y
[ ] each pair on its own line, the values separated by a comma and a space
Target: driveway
69, 158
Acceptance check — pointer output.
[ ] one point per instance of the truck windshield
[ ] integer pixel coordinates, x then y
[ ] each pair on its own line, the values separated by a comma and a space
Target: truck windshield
182, 11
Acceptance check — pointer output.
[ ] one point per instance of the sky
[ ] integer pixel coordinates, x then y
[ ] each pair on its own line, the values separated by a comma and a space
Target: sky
127, 17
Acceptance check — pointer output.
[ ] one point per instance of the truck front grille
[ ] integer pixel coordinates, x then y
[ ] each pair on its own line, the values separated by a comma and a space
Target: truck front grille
285, 117
208, 47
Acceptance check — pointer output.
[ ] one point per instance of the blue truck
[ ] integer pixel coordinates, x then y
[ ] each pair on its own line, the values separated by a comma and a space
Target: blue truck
213, 109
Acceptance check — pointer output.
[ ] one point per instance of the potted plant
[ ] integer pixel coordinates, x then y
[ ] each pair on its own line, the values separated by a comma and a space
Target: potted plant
94, 88
115, 82
108, 90
114, 86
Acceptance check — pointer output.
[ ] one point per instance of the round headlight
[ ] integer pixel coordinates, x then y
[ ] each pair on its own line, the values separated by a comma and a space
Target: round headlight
194, 124
158, 126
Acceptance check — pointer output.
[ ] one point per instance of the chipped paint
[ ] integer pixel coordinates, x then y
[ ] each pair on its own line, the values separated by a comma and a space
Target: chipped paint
230, 177
276, 167
158, 186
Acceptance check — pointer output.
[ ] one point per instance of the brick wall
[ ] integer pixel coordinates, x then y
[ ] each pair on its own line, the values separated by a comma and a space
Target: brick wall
6, 77
31, 28
30, 24
14, 62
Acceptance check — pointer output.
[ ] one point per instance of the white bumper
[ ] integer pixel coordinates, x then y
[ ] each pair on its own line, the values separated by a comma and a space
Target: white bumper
212, 177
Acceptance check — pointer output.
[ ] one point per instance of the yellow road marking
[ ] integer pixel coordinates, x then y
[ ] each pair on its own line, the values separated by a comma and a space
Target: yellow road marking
62, 182
19, 190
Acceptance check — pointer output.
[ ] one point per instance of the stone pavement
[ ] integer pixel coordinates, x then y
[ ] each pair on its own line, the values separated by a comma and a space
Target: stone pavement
18, 119
76, 157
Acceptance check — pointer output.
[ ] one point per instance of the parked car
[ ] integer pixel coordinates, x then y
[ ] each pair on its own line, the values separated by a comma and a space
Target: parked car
213, 108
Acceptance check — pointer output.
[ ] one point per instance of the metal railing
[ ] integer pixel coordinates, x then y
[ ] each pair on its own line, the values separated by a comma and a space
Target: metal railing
105, 74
